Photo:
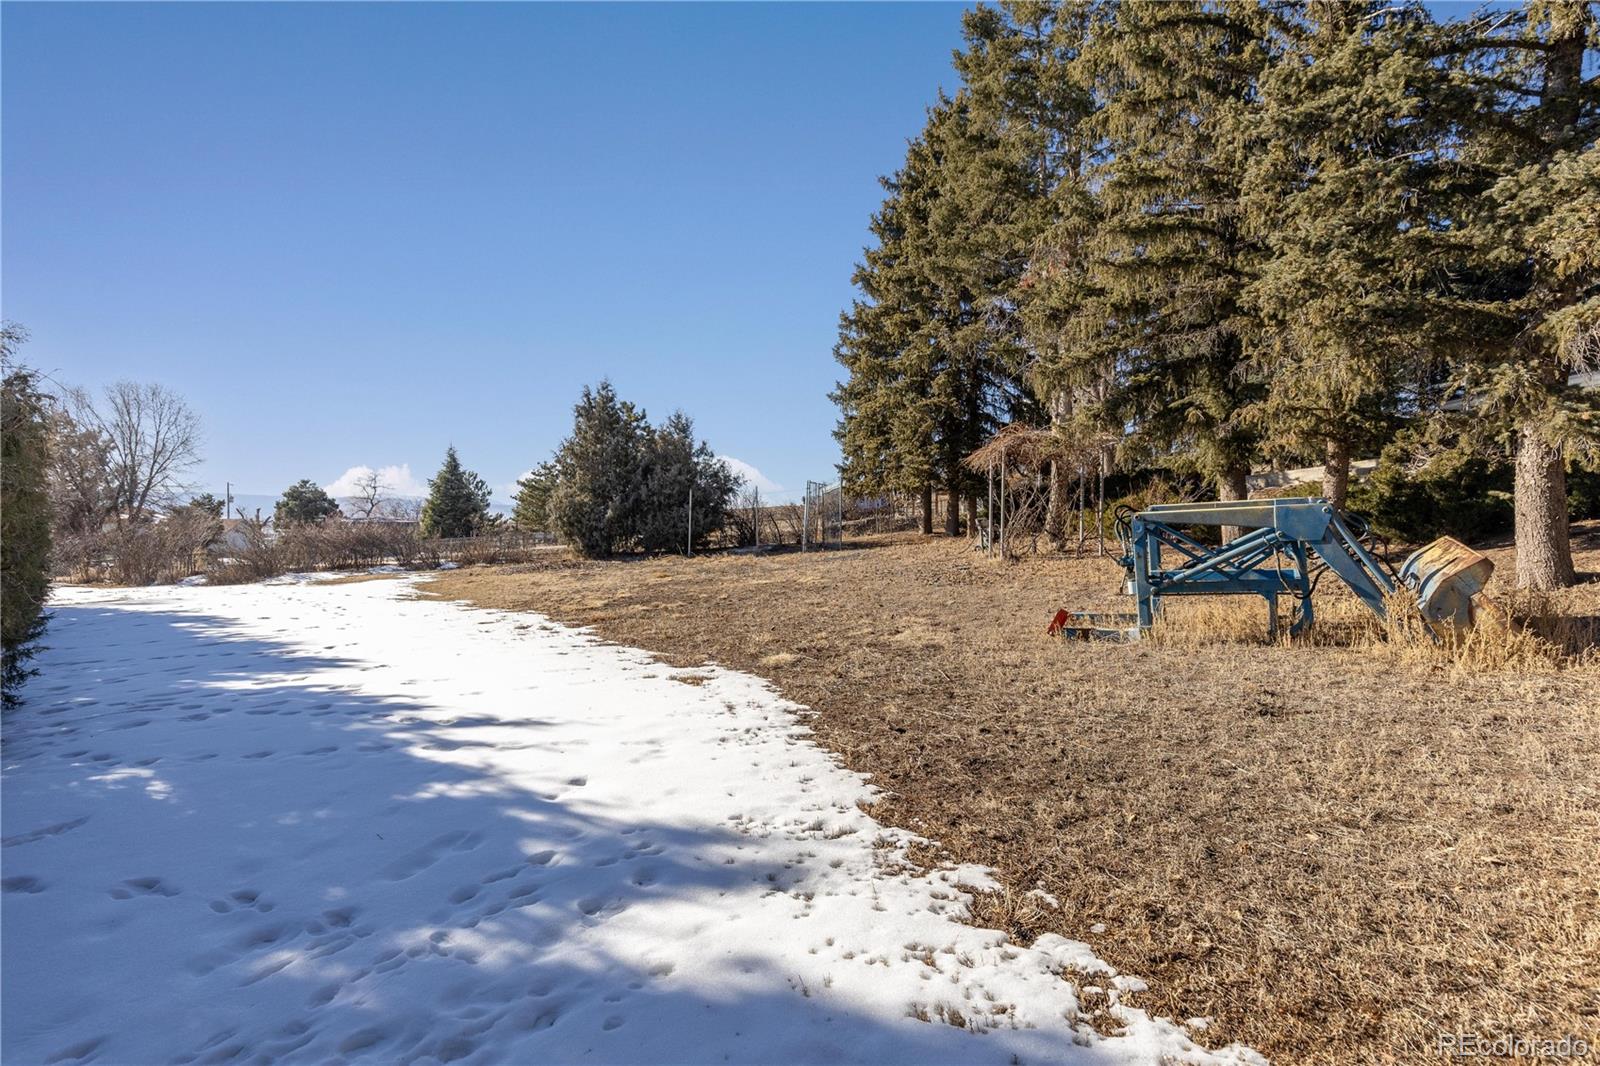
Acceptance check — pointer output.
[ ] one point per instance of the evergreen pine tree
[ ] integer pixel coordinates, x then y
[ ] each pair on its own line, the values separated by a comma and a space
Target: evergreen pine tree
885, 429
25, 514
1515, 241
1170, 258
599, 487
982, 222
1026, 77
531, 507
1331, 197
934, 351
304, 502
679, 472
458, 501
1228, 230
206, 504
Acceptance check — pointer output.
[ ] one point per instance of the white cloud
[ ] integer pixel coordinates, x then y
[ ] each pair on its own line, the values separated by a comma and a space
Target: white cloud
508, 491
397, 481
752, 477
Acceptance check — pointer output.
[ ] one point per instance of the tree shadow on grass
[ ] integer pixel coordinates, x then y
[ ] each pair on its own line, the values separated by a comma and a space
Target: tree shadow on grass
220, 848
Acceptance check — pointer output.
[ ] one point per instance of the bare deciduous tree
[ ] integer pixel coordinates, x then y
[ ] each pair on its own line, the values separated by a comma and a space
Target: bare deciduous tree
402, 510
153, 439
80, 466
370, 497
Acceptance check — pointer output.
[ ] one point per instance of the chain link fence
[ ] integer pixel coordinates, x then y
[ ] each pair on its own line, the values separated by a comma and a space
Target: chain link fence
822, 516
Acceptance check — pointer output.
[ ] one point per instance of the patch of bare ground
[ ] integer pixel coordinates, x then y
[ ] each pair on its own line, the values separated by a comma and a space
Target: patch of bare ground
357, 579
1336, 849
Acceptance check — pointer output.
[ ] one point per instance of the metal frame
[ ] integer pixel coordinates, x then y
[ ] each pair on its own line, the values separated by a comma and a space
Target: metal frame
815, 510
1272, 559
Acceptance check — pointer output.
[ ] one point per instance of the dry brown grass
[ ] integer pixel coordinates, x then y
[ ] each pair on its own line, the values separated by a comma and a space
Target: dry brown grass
357, 579
1515, 631
1336, 849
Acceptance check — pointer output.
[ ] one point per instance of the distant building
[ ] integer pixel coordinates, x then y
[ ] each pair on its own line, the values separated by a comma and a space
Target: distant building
233, 537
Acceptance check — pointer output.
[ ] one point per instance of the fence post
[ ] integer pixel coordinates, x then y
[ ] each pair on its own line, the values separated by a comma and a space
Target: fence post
1002, 501
805, 519
688, 548
841, 512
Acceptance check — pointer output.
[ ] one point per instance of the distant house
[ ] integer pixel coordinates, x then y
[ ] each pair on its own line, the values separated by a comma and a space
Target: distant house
234, 537
1269, 478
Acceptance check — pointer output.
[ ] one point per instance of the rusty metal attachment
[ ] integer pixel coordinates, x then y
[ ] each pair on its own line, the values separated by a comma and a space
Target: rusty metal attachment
1448, 579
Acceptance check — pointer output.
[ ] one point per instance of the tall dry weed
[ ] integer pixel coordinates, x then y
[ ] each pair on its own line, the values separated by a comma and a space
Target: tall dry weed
1522, 633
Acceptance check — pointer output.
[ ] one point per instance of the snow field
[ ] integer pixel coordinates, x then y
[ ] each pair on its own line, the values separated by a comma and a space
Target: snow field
310, 822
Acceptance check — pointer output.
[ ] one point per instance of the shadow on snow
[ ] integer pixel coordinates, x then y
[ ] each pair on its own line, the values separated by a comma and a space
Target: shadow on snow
265, 867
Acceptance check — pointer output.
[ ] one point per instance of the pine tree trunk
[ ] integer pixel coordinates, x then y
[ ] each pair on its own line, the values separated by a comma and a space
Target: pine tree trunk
1054, 525
1083, 483
1231, 485
952, 513
1055, 519
1336, 471
927, 510
1544, 552
1544, 548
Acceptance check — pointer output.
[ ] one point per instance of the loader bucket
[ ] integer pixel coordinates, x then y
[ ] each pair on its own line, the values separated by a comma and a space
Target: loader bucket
1446, 576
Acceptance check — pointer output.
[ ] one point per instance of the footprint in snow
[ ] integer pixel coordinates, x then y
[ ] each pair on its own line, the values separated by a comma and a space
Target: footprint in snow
361, 1039
247, 898
601, 907
142, 886
77, 1052
414, 863
324, 995
340, 917
262, 936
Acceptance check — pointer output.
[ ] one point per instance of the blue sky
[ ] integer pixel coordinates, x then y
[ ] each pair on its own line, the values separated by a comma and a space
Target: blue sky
354, 234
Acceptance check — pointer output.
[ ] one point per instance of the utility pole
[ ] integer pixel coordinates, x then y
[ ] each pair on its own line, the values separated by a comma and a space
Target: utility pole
227, 506
688, 547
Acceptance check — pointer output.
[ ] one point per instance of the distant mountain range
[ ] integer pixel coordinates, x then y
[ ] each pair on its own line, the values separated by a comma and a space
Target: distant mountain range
250, 502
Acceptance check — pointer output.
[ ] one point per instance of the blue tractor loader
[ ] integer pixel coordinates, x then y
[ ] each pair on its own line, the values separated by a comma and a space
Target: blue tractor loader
1287, 546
